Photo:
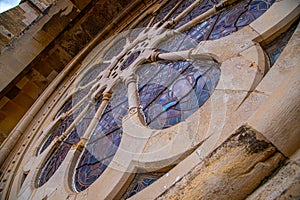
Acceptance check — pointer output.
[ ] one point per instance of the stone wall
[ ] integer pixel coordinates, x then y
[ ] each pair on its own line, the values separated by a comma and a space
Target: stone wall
47, 37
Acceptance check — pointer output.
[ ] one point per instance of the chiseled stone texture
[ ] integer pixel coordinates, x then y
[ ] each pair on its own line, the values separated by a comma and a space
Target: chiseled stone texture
51, 40
233, 171
285, 184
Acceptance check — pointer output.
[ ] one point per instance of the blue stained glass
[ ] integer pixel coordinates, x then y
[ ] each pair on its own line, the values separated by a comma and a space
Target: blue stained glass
103, 143
57, 157
140, 182
169, 91
61, 127
228, 21
275, 47
176, 91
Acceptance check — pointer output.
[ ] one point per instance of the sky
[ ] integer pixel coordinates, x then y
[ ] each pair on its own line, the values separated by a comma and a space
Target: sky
7, 4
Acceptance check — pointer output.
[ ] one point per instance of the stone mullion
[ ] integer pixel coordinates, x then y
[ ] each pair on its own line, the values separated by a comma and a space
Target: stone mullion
83, 140
203, 16
133, 97
175, 56
73, 124
182, 15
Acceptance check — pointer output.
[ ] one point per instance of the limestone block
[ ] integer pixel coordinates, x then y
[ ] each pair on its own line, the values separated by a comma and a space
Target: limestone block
26, 193
31, 90
287, 62
288, 10
22, 82
235, 43
285, 184
238, 74
23, 100
233, 170
3, 101
30, 14
278, 118
7, 71
42, 37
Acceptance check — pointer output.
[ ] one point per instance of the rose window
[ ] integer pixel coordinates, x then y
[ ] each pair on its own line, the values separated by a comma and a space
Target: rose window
141, 82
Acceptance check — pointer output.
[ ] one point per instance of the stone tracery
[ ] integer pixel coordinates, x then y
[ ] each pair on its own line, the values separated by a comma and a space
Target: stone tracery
105, 81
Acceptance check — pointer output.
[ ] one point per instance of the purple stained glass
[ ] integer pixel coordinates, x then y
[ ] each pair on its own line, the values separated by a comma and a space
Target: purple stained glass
176, 91
61, 127
228, 21
57, 131
103, 143
275, 47
130, 60
140, 182
57, 157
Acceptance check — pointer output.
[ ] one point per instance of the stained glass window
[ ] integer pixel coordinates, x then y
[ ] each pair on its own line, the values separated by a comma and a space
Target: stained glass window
140, 182
57, 157
61, 127
173, 91
168, 91
275, 48
103, 142
227, 21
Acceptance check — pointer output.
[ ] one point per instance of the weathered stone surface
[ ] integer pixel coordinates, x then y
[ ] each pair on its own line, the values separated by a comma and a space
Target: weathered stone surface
285, 184
231, 170
71, 25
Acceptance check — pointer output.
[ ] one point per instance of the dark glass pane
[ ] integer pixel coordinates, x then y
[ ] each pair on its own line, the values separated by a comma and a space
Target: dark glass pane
175, 90
59, 154
204, 6
57, 157
61, 127
89, 169
57, 131
130, 60
275, 48
65, 108
227, 21
103, 142
140, 182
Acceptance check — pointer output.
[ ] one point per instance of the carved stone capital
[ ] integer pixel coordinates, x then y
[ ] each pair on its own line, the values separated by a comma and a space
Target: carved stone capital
80, 145
136, 110
59, 139
154, 56
132, 78
106, 96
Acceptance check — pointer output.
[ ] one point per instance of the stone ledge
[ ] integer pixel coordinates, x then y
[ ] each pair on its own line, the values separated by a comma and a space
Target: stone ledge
242, 162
